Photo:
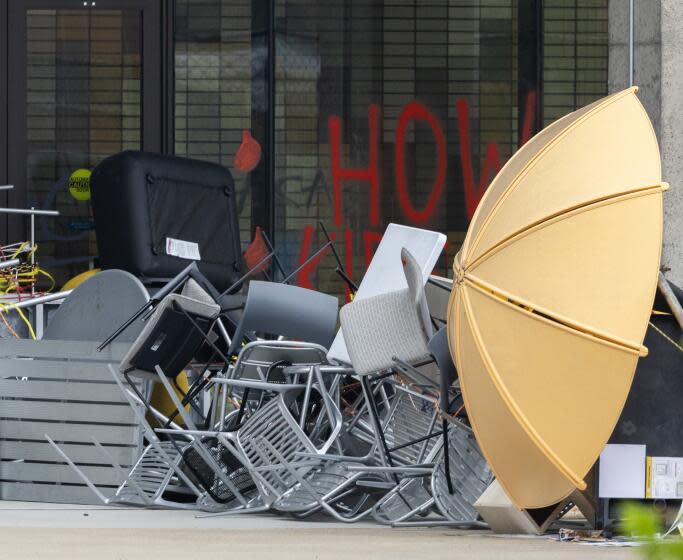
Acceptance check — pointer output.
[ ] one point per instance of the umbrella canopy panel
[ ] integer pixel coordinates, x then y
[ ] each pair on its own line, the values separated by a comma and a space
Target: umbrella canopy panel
552, 294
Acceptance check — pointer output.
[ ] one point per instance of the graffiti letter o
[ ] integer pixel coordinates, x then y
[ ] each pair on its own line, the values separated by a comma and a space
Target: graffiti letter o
414, 111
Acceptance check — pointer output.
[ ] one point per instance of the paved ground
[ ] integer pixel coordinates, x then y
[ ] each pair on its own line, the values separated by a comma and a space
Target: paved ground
45, 531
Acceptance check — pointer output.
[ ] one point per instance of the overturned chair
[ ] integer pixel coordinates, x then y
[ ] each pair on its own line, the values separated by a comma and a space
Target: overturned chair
175, 331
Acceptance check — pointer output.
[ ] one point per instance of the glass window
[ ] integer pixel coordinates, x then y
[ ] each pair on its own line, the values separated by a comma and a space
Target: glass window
214, 62
82, 99
404, 110
384, 110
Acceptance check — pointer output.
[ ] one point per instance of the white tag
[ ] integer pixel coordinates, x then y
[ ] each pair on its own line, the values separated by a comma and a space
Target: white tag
182, 249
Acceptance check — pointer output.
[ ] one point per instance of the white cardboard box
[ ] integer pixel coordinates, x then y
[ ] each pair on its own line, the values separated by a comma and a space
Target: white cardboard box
622, 471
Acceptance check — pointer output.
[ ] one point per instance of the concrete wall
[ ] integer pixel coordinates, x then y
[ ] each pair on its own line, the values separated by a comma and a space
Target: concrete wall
672, 135
658, 71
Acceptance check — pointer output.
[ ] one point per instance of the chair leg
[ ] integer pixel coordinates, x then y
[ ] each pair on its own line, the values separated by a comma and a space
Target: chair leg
197, 444
446, 455
374, 418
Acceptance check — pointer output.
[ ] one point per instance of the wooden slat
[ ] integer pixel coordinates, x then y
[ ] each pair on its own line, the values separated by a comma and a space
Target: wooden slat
68, 391
48, 472
55, 369
59, 431
78, 453
48, 410
77, 350
51, 493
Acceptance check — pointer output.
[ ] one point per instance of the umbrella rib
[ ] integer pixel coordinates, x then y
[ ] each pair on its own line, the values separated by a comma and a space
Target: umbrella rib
567, 213
512, 404
530, 164
458, 301
560, 321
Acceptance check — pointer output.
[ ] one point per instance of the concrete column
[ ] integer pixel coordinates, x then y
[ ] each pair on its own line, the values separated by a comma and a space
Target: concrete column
647, 52
658, 72
671, 138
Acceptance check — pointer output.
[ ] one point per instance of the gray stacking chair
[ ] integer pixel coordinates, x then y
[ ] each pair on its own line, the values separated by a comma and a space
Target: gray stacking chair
178, 326
268, 444
460, 477
380, 329
286, 311
276, 423
157, 470
376, 329
461, 473
176, 329
303, 322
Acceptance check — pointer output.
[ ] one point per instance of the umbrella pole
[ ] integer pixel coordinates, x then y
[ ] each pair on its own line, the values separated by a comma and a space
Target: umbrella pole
671, 299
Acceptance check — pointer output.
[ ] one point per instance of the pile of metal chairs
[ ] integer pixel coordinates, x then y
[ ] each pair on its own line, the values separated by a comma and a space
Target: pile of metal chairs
286, 413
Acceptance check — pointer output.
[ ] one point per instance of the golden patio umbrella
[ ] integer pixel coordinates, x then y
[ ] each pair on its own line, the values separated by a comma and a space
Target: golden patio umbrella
553, 289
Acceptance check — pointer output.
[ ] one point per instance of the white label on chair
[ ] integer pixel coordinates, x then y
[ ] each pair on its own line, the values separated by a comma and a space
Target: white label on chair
182, 249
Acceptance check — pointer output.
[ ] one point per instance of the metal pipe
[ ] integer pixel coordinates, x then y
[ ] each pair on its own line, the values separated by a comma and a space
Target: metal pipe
630, 43
308, 261
33, 252
29, 212
40, 299
10, 263
671, 299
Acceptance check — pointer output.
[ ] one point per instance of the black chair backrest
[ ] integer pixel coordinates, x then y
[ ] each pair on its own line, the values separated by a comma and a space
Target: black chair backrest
289, 311
156, 213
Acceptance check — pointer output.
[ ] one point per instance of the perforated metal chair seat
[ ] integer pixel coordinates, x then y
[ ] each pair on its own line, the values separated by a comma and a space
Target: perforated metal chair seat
152, 474
274, 427
411, 417
237, 473
470, 476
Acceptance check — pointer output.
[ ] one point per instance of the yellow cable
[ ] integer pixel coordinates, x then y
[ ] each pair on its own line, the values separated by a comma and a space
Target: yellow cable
28, 323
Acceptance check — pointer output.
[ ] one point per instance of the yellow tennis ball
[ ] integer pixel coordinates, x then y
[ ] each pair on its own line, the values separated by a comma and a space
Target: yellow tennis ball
79, 184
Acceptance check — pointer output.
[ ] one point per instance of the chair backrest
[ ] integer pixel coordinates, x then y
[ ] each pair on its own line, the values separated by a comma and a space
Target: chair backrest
170, 338
385, 271
416, 289
108, 298
394, 324
438, 346
257, 357
288, 311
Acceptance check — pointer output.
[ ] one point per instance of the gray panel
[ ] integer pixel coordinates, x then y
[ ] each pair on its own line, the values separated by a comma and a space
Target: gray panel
55, 369
63, 389
70, 391
59, 431
63, 349
79, 453
51, 493
42, 472
49, 410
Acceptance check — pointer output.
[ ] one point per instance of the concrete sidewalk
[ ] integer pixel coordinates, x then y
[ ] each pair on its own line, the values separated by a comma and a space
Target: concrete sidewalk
54, 531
